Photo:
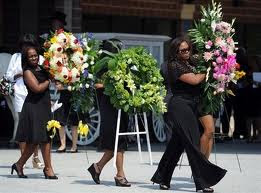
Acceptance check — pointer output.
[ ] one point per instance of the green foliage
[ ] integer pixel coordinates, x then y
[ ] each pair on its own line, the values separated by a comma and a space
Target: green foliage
133, 81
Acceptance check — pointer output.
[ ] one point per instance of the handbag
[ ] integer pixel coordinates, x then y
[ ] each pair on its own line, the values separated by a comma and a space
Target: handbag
6, 87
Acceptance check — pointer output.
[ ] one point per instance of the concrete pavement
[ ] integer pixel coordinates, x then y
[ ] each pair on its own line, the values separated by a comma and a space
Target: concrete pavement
73, 177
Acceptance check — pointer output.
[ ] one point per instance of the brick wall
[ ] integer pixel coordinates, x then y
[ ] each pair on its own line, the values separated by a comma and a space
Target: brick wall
246, 11
145, 8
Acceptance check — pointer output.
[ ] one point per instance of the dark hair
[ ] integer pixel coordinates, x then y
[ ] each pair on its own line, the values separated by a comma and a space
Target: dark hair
27, 39
58, 15
174, 48
25, 49
173, 55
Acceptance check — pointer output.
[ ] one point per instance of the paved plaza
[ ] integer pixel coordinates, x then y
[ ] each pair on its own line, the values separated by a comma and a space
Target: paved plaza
73, 177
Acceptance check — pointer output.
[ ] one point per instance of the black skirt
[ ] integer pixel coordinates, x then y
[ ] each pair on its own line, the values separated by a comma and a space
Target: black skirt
109, 116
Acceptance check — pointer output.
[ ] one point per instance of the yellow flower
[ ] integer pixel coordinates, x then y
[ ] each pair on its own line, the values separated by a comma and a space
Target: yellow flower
53, 40
239, 74
46, 54
83, 129
52, 126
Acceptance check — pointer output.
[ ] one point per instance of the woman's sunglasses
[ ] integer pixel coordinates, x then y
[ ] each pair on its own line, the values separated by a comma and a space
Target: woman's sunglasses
184, 51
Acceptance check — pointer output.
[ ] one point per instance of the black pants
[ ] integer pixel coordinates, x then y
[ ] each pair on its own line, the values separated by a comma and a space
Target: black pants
185, 136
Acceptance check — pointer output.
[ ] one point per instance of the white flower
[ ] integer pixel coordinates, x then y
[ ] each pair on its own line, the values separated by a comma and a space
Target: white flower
92, 62
207, 47
77, 58
88, 48
90, 76
129, 61
74, 42
75, 75
134, 68
55, 62
85, 65
213, 26
85, 42
80, 85
63, 75
85, 57
62, 39
87, 85
56, 48
69, 88
202, 20
100, 52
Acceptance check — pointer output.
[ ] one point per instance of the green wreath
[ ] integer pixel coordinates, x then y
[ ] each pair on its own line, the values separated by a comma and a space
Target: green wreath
133, 81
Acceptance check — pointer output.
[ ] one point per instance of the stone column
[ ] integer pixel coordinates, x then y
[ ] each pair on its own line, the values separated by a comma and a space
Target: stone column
68, 11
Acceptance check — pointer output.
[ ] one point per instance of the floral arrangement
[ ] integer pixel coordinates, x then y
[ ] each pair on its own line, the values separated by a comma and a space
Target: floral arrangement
68, 59
214, 42
64, 57
133, 81
6, 87
82, 129
52, 126
82, 91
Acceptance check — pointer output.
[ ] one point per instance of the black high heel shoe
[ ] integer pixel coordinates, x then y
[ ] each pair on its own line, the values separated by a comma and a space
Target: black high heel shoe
54, 177
61, 150
95, 175
206, 190
156, 178
14, 167
121, 181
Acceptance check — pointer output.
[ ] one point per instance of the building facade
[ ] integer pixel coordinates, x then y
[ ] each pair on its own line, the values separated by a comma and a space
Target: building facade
161, 17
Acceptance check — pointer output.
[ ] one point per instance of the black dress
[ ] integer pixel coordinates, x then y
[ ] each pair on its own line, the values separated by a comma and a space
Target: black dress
36, 112
182, 119
109, 116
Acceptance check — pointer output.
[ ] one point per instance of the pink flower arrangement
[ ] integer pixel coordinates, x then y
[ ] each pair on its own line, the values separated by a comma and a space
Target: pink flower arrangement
214, 42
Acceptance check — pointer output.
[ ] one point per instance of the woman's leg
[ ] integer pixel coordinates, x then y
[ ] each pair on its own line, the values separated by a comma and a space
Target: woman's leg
107, 156
36, 161
74, 138
168, 161
46, 153
206, 140
22, 146
62, 139
119, 164
28, 151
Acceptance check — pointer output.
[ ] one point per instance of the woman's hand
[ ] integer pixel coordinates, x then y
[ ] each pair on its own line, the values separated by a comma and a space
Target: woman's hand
59, 85
98, 85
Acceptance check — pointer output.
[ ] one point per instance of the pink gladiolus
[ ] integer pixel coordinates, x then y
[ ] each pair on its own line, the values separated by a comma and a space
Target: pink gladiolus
214, 64
224, 49
219, 60
217, 52
210, 43
230, 41
219, 42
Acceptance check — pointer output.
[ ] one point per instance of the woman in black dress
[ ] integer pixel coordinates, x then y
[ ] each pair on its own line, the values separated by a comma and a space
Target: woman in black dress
182, 119
36, 112
108, 131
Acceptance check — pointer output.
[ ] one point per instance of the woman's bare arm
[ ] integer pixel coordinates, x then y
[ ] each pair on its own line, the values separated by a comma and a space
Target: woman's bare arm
33, 83
192, 78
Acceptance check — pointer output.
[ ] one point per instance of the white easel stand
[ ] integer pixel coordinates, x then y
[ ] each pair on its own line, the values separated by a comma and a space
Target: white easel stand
137, 133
